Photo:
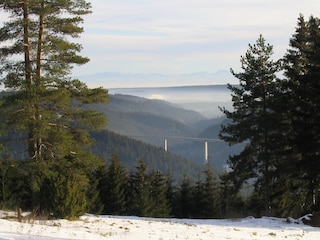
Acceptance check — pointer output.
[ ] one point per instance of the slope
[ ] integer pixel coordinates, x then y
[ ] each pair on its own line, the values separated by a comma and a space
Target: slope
219, 151
130, 228
131, 151
146, 119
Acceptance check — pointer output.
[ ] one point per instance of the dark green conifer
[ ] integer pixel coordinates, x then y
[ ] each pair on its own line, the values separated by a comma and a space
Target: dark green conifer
186, 198
230, 201
253, 119
140, 201
198, 197
159, 190
44, 106
302, 69
206, 195
113, 186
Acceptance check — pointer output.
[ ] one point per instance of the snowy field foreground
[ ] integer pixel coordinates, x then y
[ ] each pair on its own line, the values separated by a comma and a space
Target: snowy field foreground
135, 228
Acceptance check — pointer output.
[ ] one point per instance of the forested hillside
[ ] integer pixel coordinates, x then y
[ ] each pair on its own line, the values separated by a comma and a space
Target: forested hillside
147, 120
136, 131
131, 151
218, 150
152, 121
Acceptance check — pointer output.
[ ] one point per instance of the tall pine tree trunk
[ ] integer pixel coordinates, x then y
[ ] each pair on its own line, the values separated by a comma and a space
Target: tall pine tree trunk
26, 43
266, 157
38, 140
28, 67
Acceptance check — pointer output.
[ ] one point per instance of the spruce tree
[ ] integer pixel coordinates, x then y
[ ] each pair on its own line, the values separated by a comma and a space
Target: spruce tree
65, 196
171, 193
159, 190
302, 69
94, 202
230, 201
140, 201
15, 190
113, 186
199, 194
207, 201
210, 197
186, 203
253, 121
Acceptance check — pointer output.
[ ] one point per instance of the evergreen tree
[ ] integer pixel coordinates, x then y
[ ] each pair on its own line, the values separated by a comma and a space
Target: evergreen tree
94, 203
254, 119
171, 193
66, 196
36, 58
35, 61
302, 69
140, 201
64, 187
186, 204
113, 188
198, 197
207, 195
230, 201
15, 190
159, 190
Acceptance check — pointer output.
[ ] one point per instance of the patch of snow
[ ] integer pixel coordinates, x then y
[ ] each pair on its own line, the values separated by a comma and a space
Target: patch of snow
130, 227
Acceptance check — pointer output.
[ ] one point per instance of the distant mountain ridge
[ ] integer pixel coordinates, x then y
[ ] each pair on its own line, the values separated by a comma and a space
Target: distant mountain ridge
204, 99
124, 80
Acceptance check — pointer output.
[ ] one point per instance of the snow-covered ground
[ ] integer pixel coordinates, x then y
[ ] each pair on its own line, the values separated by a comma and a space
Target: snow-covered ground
135, 228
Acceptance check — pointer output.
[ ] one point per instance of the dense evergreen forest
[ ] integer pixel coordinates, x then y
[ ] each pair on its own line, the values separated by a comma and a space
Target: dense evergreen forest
275, 117
130, 152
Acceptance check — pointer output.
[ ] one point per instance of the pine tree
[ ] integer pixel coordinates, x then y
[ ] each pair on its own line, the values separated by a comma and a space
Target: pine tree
36, 58
253, 119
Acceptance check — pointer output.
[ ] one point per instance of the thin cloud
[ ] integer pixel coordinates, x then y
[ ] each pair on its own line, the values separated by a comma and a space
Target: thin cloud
192, 33
183, 36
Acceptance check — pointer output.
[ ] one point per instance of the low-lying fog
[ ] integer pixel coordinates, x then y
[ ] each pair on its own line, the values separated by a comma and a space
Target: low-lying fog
203, 99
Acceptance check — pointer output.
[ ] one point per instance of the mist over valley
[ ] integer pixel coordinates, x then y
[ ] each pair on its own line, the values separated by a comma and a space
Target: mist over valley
186, 117
204, 99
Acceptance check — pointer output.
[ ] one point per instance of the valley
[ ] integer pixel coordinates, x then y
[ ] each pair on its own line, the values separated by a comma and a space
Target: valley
154, 115
139, 125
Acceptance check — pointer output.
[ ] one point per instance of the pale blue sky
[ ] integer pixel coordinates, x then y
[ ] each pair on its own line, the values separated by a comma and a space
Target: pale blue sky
183, 36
